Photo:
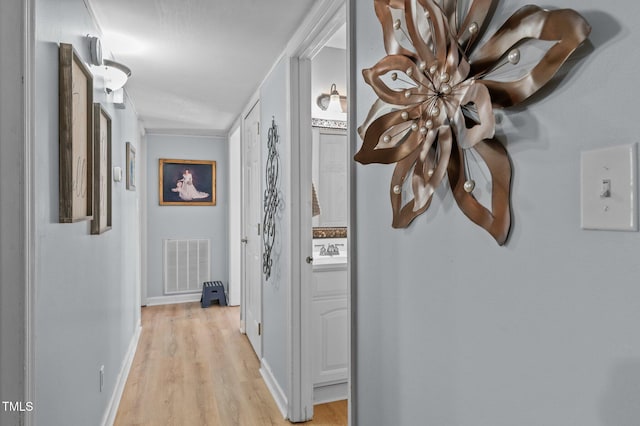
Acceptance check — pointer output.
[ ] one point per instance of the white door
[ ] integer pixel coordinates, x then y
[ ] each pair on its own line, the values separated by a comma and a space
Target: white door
251, 229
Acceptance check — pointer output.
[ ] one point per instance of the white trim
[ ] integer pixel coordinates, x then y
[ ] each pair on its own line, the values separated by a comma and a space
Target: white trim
328, 124
143, 189
94, 17
255, 102
234, 214
330, 393
112, 409
309, 39
170, 300
272, 384
30, 204
205, 133
299, 348
352, 78
319, 25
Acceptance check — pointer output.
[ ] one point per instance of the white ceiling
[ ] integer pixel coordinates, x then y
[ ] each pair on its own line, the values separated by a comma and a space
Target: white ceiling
196, 63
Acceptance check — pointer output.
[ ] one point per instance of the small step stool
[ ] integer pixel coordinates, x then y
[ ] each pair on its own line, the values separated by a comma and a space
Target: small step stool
212, 290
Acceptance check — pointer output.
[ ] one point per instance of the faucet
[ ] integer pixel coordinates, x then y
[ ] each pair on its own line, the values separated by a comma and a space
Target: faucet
332, 250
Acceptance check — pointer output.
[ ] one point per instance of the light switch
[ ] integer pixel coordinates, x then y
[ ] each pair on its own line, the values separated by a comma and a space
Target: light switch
609, 188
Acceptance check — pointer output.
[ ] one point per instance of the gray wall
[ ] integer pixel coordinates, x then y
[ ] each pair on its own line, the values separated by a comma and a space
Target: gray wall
273, 104
186, 222
454, 330
329, 66
12, 209
87, 286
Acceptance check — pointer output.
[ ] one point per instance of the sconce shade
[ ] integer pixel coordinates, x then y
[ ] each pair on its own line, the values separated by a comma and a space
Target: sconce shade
332, 101
114, 73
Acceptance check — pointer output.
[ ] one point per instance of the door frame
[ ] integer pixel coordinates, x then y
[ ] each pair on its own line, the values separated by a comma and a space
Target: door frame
254, 102
332, 15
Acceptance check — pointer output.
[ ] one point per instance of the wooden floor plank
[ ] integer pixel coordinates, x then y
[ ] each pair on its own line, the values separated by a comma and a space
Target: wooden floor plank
193, 367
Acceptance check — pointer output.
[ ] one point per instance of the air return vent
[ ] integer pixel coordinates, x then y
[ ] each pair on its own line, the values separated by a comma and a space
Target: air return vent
186, 265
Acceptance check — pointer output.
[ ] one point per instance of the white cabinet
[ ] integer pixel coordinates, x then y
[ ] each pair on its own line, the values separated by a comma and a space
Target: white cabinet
330, 348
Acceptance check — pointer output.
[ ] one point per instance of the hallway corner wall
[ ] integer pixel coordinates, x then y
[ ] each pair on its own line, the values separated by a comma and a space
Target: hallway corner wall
13, 214
87, 307
273, 108
185, 222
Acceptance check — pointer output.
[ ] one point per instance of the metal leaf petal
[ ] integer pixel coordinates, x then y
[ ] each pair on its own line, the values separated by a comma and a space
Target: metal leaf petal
496, 221
478, 95
435, 48
423, 183
391, 43
402, 140
565, 26
475, 17
377, 110
397, 63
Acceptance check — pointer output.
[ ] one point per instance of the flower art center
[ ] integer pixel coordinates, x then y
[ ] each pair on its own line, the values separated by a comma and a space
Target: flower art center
435, 118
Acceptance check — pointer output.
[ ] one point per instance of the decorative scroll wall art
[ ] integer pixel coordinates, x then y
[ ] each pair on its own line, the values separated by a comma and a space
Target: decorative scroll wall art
271, 199
437, 88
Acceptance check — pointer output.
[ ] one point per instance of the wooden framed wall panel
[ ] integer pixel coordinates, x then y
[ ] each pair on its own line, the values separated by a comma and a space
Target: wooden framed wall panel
101, 221
75, 137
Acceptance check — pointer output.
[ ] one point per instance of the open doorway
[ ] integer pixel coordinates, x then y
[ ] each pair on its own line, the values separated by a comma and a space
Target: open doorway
324, 314
329, 211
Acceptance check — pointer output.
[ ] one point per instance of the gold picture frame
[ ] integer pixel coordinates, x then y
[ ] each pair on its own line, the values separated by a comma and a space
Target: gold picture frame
75, 137
187, 182
101, 221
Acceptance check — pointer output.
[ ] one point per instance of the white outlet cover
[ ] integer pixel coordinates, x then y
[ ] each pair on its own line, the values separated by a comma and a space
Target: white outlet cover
612, 170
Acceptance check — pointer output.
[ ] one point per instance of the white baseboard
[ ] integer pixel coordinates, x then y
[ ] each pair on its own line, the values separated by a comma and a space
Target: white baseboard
176, 298
275, 389
112, 409
330, 393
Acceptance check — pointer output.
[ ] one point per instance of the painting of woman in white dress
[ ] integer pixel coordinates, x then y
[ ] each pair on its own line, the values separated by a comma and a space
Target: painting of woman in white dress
186, 190
187, 182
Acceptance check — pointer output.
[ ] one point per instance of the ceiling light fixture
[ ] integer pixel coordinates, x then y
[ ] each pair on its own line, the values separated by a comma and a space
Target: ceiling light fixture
332, 101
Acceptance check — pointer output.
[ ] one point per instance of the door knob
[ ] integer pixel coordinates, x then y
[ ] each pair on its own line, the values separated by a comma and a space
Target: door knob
309, 259
244, 240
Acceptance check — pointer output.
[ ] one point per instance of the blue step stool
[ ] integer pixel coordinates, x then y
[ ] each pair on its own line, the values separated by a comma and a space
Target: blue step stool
212, 290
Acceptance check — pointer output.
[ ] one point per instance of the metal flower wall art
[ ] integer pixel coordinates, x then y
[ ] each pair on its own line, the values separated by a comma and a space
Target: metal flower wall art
437, 88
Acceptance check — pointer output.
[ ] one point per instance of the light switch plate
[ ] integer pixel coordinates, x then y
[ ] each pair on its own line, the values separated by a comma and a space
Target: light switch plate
609, 188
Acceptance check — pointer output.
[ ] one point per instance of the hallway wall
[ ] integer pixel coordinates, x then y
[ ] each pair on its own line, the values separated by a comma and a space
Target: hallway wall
275, 290
328, 67
13, 215
86, 286
543, 331
186, 222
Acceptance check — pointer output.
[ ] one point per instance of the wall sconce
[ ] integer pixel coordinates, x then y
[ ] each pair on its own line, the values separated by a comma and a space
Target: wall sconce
332, 101
115, 75
116, 97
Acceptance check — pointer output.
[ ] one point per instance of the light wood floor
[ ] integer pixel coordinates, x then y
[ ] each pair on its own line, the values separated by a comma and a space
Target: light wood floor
194, 368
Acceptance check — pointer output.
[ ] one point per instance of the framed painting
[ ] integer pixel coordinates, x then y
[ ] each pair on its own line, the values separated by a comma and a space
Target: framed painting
101, 221
131, 167
75, 137
187, 182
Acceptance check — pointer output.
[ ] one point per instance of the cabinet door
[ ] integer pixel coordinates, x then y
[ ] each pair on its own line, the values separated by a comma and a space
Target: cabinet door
329, 171
330, 346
